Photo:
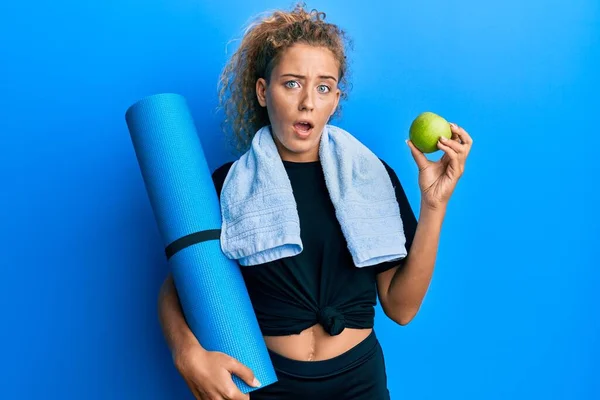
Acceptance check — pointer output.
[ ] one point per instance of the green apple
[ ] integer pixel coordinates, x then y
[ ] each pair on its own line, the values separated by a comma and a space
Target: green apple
426, 130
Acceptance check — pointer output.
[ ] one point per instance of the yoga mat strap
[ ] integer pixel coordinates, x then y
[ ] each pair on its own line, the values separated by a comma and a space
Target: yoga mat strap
191, 239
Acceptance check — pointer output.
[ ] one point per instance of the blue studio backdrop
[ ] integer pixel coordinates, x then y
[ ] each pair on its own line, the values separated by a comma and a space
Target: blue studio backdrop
512, 311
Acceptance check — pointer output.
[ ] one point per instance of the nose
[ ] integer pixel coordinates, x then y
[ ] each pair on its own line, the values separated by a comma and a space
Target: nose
307, 101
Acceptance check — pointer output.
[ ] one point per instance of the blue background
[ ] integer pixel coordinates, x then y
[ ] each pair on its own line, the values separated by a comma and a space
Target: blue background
512, 312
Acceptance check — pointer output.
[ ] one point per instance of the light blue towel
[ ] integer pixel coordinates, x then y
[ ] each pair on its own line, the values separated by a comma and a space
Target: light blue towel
259, 216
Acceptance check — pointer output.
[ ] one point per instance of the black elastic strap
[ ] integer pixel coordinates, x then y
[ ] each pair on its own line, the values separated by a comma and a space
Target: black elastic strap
191, 239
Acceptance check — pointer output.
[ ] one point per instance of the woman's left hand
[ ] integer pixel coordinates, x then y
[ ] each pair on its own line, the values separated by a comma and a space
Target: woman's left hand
437, 180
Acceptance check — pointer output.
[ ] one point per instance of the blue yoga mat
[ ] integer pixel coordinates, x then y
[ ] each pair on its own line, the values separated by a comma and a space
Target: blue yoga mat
212, 292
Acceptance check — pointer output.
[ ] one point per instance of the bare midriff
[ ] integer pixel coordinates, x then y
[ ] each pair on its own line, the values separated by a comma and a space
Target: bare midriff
315, 344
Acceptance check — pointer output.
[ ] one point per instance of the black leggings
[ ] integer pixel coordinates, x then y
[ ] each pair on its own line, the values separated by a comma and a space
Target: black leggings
358, 374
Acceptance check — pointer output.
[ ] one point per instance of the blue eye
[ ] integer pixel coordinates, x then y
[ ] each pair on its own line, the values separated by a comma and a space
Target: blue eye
325, 88
287, 84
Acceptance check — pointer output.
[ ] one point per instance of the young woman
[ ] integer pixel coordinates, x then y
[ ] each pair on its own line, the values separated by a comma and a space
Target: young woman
315, 309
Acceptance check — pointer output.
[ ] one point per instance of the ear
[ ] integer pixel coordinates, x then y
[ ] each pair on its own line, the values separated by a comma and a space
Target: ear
261, 91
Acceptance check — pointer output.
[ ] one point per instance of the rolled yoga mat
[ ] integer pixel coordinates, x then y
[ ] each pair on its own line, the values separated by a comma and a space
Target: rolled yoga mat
212, 292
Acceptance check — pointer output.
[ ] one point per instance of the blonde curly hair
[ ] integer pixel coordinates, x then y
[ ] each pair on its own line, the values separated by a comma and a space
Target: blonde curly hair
261, 47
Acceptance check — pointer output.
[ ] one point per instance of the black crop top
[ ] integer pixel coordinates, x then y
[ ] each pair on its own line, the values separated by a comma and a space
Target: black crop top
321, 284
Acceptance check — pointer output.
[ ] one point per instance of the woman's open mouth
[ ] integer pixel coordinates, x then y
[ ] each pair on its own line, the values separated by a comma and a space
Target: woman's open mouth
303, 128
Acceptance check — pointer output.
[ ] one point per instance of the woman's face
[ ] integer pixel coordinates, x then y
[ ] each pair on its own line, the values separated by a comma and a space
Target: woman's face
300, 98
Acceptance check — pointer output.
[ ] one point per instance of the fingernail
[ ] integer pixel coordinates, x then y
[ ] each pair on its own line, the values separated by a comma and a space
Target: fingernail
255, 383
443, 138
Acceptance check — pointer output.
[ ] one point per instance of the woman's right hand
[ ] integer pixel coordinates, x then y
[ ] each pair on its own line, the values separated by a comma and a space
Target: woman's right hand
208, 373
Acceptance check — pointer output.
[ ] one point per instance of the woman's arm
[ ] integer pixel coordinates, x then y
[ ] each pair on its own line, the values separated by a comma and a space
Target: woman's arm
207, 374
176, 331
402, 289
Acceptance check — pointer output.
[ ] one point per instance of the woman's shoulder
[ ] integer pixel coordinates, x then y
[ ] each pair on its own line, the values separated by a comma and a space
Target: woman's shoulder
391, 173
219, 175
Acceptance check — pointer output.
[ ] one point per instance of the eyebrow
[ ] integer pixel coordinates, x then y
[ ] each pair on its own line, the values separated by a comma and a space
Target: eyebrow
303, 77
